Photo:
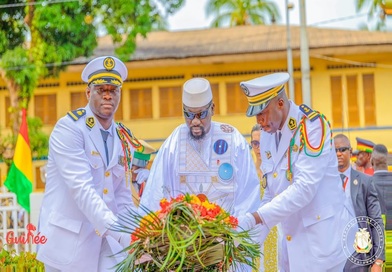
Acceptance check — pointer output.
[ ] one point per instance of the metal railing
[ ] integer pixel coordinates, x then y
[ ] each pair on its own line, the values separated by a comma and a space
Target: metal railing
14, 224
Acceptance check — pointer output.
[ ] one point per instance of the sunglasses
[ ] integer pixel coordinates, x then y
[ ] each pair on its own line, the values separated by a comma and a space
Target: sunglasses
342, 149
199, 115
255, 144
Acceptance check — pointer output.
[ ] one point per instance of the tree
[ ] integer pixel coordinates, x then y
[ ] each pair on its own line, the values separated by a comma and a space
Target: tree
376, 11
242, 12
38, 39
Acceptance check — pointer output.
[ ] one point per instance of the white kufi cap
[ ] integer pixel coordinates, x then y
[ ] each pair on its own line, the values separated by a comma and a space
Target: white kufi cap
196, 92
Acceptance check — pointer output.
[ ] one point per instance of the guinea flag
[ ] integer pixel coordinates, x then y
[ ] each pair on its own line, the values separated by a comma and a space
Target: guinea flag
20, 177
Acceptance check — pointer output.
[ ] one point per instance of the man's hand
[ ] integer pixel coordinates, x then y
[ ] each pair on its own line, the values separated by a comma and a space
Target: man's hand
142, 175
246, 222
377, 267
124, 239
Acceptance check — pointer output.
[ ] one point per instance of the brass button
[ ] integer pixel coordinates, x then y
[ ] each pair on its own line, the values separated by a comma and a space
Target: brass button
107, 173
105, 191
288, 238
97, 232
275, 175
318, 217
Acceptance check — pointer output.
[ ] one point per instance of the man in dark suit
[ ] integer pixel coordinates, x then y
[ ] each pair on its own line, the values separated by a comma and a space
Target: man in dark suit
359, 188
383, 181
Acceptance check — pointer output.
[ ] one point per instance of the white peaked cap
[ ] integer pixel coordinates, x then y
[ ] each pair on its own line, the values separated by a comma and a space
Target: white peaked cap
105, 70
196, 93
260, 91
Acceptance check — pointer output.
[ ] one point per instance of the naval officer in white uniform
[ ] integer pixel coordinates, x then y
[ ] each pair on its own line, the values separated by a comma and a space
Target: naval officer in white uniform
303, 189
86, 189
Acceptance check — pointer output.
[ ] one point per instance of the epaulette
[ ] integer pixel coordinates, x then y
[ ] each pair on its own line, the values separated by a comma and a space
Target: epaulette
76, 114
309, 113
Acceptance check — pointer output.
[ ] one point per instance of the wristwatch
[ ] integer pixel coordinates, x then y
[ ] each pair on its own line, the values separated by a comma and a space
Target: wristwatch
380, 264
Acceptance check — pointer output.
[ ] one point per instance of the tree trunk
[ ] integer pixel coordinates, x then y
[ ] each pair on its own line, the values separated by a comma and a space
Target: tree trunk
13, 90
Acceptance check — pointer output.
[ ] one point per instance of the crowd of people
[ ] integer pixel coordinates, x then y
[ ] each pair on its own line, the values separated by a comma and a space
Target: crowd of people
301, 194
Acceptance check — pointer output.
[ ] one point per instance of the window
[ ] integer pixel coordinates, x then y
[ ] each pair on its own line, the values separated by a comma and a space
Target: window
78, 100
352, 101
297, 91
170, 101
39, 183
45, 108
369, 95
347, 104
236, 100
337, 101
141, 103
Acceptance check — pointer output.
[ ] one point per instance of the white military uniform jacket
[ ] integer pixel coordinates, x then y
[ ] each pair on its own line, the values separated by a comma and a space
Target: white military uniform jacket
83, 195
310, 206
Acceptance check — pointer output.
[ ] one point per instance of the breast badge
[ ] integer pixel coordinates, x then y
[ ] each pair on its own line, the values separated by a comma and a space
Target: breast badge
225, 172
95, 153
220, 146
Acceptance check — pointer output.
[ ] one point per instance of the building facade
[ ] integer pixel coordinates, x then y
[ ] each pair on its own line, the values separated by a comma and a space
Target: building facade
349, 79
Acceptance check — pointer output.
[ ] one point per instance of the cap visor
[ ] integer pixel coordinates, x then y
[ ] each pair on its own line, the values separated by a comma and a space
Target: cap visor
254, 110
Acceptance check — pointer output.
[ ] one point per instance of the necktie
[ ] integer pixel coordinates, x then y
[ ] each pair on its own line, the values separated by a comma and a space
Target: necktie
278, 136
344, 181
105, 135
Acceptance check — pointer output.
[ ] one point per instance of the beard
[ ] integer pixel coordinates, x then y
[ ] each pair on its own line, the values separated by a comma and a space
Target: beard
198, 137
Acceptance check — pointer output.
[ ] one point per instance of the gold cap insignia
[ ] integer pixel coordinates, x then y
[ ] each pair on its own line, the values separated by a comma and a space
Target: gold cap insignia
109, 63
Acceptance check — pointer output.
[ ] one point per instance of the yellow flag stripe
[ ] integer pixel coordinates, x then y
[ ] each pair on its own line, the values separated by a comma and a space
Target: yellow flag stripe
22, 158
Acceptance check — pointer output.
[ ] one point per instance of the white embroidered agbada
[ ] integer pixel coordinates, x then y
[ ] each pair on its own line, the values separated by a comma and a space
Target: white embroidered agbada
219, 166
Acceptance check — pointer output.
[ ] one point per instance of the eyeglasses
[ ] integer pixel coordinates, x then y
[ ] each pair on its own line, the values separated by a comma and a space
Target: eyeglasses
342, 149
255, 144
112, 92
199, 115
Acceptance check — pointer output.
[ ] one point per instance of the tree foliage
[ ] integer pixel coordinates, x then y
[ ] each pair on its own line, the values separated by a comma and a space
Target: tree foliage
376, 12
242, 12
39, 38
